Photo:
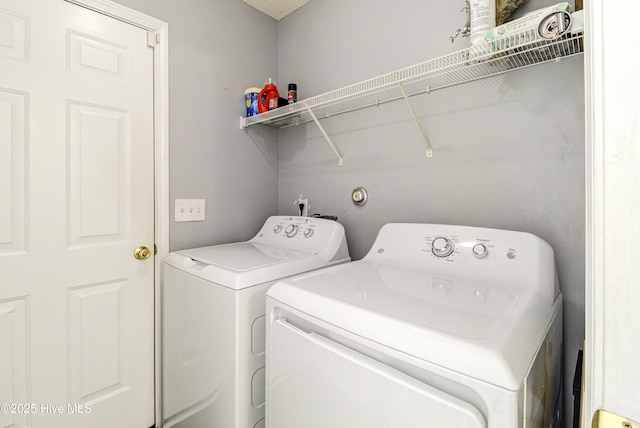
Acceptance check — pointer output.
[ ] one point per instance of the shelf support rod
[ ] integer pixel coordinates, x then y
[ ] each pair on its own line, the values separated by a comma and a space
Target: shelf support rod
415, 119
333, 147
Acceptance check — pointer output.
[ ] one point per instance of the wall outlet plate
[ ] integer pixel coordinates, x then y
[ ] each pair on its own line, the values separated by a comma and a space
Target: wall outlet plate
189, 210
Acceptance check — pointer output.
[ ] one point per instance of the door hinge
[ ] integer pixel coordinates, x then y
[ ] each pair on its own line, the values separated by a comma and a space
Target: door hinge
153, 39
604, 419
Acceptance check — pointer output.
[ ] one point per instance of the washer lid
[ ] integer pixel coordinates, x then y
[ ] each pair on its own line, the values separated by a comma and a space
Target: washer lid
244, 256
487, 331
244, 264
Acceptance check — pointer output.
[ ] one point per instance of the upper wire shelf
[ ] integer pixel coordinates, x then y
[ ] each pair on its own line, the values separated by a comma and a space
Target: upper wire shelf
477, 62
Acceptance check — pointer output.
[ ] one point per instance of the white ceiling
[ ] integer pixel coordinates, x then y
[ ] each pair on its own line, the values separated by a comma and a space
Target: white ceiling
276, 9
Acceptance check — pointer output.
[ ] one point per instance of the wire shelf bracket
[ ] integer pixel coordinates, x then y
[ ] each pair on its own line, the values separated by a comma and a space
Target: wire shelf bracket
415, 119
324, 133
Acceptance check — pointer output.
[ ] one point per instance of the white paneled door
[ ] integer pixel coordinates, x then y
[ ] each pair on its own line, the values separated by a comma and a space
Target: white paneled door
76, 200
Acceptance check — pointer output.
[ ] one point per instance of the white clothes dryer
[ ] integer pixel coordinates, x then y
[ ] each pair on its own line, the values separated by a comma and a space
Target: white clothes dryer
213, 318
437, 326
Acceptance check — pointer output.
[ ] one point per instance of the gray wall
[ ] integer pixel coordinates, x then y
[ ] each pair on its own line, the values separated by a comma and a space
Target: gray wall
508, 151
217, 49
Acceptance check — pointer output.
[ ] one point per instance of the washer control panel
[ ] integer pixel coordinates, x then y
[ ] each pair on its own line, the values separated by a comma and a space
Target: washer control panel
303, 233
292, 230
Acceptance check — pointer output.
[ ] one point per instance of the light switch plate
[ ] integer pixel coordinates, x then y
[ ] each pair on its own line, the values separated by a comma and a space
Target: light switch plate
189, 210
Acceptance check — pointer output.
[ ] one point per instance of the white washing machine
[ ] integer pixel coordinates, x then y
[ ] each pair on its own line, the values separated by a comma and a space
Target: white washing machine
437, 326
214, 318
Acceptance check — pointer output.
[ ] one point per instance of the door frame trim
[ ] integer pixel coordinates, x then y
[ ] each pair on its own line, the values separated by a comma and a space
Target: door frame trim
594, 202
612, 199
161, 156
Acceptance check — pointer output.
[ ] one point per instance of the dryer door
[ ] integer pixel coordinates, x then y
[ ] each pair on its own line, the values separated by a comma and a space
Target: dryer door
314, 382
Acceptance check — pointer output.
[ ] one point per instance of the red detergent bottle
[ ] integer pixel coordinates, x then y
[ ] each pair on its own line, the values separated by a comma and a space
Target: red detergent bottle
268, 97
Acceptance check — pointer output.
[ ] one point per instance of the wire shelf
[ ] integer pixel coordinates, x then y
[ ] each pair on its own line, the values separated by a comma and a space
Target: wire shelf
477, 62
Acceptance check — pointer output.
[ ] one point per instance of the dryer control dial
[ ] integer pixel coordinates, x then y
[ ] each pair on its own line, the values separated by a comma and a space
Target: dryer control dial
277, 228
291, 230
480, 251
441, 247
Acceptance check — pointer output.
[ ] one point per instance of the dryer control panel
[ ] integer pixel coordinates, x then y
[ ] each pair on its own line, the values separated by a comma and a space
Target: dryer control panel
463, 251
445, 246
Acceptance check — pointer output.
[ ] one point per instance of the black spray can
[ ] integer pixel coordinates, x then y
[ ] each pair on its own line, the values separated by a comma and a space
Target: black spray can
292, 93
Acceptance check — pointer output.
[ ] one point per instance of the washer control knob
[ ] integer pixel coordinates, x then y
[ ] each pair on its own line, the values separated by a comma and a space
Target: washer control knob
291, 230
480, 251
277, 228
308, 232
441, 247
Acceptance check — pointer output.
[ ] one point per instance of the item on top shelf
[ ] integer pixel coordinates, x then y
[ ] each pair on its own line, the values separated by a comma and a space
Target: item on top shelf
503, 11
577, 22
482, 17
268, 97
506, 8
251, 100
546, 23
292, 94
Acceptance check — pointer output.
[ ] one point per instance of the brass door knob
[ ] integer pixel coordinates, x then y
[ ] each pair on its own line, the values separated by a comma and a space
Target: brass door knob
142, 253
